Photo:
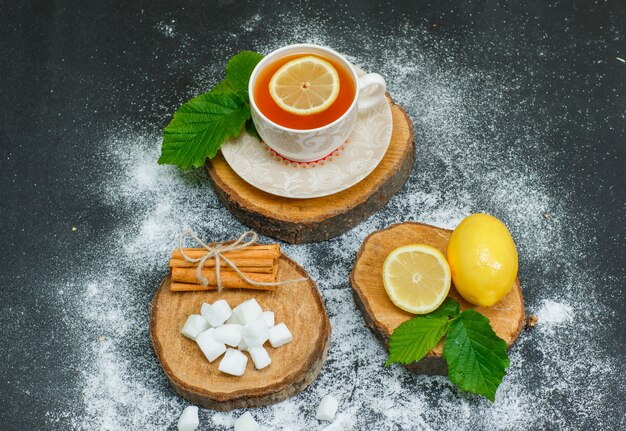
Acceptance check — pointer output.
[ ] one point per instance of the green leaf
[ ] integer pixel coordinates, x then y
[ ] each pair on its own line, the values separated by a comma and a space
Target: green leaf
449, 307
476, 356
415, 338
251, 129
222, 87
239, 69
199, 128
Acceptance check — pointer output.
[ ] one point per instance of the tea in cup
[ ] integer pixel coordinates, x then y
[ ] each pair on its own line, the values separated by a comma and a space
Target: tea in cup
304, 100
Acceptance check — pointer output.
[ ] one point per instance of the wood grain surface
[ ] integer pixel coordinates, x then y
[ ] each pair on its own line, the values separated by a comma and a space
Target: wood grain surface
294, 365
318, 219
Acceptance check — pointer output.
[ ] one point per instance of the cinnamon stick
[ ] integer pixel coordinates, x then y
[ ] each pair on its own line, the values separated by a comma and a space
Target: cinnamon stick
258, 262
261, 251
189, 287
245, 265
229, 279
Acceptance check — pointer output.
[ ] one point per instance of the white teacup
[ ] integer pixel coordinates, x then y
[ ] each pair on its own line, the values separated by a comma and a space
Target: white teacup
313, 144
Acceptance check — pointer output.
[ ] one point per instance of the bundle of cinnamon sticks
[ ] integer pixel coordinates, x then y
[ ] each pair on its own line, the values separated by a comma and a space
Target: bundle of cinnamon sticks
258, 262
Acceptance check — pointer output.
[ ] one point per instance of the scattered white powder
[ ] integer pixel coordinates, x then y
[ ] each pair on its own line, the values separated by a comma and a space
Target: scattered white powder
167, 28
476, 151
554, 313
341, 422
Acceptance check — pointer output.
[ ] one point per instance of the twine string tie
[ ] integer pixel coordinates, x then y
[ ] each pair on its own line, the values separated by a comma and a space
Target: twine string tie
217, 251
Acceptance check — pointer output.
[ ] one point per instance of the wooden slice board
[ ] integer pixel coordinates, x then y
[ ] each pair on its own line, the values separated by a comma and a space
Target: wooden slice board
507, 317
299, 221
294, 365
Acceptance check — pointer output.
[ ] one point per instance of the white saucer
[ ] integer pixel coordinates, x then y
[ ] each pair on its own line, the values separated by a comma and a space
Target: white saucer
261, 167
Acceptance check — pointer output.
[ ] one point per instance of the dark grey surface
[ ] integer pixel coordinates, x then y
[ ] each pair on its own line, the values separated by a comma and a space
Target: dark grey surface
70, 70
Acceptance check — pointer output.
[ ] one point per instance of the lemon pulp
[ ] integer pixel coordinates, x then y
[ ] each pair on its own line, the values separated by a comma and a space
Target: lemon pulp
416, 278
305, 86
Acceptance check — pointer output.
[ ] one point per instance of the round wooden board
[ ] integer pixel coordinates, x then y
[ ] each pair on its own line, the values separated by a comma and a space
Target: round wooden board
507, 317
299, 221
294, 365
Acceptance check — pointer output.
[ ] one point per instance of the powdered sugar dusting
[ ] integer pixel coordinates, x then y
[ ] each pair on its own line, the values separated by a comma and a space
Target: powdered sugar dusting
554, 313
476, 151
167, 29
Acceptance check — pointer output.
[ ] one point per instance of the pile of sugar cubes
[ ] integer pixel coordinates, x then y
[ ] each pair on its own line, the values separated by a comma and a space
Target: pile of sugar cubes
243, 329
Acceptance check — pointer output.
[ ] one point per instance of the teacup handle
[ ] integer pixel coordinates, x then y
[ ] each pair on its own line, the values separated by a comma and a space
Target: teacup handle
371, 79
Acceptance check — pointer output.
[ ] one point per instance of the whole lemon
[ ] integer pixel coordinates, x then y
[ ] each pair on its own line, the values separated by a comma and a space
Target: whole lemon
483, 259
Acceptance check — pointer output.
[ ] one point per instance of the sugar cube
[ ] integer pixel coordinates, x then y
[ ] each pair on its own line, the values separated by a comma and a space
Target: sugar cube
248, 311
268, 317
229, 334
280, 335
189, 420
234, 363
327, 408
232, 320
255, 333
246, 422
260, 357
242, 346
194, 325
211, 348
218, 313
204, 310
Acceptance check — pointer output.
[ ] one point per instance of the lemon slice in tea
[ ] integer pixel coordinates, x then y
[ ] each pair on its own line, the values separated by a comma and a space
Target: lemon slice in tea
416, 278
305, 86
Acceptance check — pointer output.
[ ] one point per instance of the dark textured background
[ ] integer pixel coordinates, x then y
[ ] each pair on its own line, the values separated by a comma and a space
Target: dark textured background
69, 70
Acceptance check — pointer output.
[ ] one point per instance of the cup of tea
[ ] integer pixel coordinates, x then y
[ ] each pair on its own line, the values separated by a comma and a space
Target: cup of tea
313, 135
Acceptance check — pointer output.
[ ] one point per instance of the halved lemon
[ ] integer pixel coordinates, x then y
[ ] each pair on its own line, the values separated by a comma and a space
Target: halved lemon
305, 86
416, 278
